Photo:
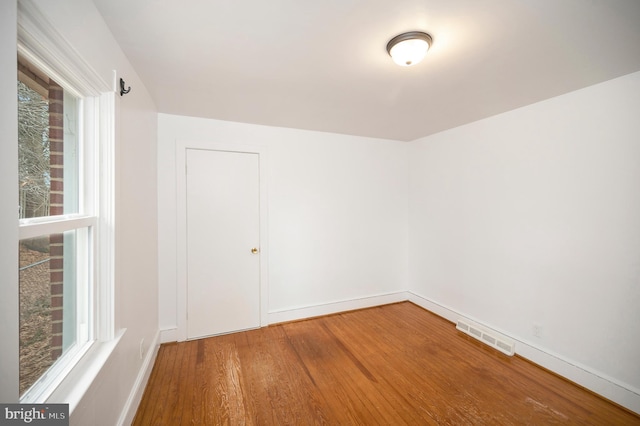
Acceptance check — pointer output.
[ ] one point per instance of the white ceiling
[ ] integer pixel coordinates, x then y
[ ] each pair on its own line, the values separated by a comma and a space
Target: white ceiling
322, 65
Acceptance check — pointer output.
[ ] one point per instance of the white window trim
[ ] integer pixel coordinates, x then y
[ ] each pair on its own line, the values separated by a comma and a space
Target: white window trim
30, 228
42, 45
105, 231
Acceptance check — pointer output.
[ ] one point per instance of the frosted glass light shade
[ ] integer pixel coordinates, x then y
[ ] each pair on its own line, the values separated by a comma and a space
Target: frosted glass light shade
409, 48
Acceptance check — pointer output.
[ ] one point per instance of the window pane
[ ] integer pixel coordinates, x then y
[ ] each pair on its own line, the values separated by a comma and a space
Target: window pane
53, 301
47, 145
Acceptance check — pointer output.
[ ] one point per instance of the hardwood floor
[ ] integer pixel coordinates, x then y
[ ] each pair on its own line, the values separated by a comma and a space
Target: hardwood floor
394, 364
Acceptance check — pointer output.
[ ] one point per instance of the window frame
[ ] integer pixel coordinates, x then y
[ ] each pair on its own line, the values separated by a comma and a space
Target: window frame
41, 44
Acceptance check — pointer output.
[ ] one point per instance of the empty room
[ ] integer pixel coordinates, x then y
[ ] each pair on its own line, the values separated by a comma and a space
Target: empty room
296, 212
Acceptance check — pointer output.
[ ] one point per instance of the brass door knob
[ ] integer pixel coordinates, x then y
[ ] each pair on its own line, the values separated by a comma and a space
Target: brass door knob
254, 250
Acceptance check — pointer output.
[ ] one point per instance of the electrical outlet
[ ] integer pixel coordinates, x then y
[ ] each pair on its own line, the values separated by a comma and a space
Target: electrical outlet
537, 330
141, 348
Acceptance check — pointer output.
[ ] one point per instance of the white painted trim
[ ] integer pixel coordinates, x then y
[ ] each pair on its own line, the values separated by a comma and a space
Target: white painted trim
84, 373
181, 226
105, 204
169, 335
336, 307
135, 396
608, 387
30, 228
53, 377
55, 55
445, 312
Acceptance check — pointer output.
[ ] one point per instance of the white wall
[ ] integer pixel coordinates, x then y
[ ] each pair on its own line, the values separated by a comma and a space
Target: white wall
337, 212
533, 217
136, 204
8, 206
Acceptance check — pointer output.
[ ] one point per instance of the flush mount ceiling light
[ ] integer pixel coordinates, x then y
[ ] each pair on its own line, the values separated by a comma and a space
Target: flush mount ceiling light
409, 48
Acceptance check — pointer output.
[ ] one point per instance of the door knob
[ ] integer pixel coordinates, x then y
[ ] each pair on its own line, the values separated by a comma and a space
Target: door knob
254, 250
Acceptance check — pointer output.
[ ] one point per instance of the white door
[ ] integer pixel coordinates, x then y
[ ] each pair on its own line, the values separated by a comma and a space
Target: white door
223, 247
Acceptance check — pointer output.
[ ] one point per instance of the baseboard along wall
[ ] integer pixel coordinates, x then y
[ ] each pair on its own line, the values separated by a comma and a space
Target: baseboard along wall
135, 396
596, 382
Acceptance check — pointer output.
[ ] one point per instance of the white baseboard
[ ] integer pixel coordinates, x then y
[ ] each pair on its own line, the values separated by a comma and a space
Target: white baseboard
286, 315
608, 387
131, 406
169, 335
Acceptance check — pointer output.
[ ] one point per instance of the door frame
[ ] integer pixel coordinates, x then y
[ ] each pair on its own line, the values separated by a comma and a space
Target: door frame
181, 226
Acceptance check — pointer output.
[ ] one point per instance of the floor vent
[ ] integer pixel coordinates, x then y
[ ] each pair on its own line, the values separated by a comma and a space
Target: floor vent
489, 337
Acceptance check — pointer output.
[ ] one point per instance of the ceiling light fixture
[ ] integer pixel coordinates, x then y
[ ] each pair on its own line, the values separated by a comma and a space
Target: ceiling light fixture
409, 48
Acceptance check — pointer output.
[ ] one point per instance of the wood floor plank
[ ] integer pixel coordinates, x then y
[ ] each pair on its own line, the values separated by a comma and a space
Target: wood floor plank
172, 398
395, 364
220, 399
189, 387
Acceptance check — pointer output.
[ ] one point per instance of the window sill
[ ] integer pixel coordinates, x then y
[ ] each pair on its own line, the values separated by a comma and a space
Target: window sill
74, 386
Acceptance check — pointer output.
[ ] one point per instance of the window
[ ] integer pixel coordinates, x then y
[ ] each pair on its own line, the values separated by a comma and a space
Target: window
65, 212
56, 227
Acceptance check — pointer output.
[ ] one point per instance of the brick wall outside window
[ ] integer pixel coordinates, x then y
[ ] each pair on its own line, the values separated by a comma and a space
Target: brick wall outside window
56, 207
